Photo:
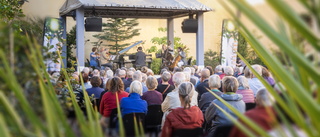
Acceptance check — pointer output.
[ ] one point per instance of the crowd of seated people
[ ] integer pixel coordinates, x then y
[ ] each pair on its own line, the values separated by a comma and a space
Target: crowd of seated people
188, 98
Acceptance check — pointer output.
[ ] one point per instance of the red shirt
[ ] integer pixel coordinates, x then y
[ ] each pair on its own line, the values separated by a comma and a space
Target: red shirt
181, 118
109, 102
262, 116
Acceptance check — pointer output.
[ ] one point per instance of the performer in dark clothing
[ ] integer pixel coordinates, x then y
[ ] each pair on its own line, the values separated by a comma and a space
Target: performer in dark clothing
140, 58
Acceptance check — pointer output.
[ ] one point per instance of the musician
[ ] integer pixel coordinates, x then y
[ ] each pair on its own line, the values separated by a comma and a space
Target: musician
94, 58
166, 56
140, 58
104, 58
183, 55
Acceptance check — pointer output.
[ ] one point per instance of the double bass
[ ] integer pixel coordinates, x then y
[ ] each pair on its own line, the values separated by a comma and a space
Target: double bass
176, 60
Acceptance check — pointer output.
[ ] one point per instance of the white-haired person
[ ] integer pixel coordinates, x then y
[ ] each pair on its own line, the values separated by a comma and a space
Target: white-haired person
129, 78
164, 87
133, 103
219, 71
86, 70
152, 96
202, 87
186, 116
172, 100
244, 90
137, 75
187, 72
263, 114
122, 75
206, 98
228, 71
254, 83
149, 72
193, 76
214, 116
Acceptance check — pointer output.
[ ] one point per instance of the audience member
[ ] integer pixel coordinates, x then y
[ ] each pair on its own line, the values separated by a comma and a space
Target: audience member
186, 116
172, 100
134, 103
104, 77
210, 69
164, 88
228, 71
214, 116
144, 79
86, 70
193, 77
263, 115
218, 71
138, 76
203, 86
86, 82
196, 71
149, 72
246, 72
254, 83
129, 77
159, 79
95, 90
267, 76
206, 98
109, 100
244, 90
152, 96
122, 75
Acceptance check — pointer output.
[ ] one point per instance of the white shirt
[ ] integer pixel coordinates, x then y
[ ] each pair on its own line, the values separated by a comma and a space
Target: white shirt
255, 84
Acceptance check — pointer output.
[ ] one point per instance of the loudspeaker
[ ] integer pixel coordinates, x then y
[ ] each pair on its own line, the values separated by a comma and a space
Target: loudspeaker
189, 26
93, 24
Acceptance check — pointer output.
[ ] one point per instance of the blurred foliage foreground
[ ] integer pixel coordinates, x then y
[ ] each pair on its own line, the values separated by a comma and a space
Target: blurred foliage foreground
297, 38
35, 104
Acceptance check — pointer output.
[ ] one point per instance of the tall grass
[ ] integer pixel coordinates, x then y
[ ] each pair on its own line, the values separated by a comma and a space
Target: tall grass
297, 75
52, 120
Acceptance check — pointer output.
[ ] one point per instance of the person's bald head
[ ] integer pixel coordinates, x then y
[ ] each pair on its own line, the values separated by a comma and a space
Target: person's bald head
205, 73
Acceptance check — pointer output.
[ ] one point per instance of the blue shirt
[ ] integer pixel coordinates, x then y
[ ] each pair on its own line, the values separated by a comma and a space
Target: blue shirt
96, 91
133, 104
93, 60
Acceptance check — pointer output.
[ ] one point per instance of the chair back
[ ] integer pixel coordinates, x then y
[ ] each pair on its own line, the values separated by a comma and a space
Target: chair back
113, 118
196, 132
250, 106
154, 115
128, 122
223, 130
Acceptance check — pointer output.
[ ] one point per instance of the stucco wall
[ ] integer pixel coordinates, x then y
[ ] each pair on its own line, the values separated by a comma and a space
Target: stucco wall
149, 27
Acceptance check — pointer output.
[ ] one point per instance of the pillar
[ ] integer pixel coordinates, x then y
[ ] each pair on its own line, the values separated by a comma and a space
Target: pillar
80, 37
200, 41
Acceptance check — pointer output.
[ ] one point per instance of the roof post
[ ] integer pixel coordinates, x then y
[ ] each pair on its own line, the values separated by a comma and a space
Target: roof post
170, 32
64, 35
80, 37
200, 40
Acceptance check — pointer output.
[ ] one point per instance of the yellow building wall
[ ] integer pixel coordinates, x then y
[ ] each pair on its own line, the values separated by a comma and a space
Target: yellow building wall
149, 27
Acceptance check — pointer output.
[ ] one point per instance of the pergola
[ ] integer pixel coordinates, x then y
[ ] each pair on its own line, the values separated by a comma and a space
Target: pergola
151, 9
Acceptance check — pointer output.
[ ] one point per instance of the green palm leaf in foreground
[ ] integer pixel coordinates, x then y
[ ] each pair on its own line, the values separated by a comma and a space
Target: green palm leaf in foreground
297, 95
